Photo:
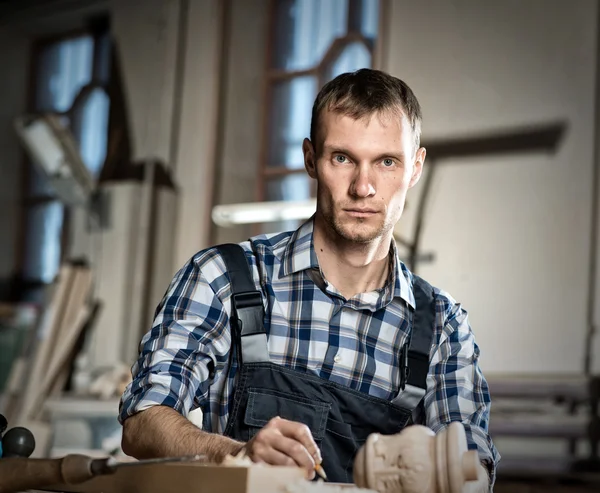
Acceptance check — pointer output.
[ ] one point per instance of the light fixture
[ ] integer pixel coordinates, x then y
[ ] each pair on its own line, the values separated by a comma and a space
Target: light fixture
228, 215
53, 151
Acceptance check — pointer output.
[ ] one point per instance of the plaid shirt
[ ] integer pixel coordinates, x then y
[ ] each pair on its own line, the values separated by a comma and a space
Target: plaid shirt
184, 361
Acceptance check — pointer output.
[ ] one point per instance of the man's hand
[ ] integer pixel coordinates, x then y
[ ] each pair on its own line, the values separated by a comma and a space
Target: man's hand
285, 443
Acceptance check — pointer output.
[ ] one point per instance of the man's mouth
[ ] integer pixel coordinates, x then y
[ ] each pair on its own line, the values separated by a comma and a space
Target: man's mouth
359, 212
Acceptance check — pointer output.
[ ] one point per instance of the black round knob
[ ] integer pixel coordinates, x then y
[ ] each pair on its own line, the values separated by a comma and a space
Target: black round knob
18, 442
3, 424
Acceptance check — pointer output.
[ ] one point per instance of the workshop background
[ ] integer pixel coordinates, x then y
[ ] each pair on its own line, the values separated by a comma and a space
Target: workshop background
188, 115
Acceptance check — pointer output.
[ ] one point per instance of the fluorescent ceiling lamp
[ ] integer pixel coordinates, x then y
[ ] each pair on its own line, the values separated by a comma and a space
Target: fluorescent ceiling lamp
53, 150
262, 212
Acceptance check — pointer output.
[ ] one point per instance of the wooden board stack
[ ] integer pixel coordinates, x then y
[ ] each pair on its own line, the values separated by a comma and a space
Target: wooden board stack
42, 370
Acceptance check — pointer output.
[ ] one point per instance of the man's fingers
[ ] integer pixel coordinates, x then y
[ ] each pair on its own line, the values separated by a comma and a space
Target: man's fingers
299, 432
272, 456
272, 447
295, 450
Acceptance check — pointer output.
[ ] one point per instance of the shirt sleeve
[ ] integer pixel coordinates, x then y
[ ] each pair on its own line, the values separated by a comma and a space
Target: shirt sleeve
456, 387
189, 342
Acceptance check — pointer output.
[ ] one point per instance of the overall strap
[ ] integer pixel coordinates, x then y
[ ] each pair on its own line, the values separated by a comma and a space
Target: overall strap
247, 311
414, 356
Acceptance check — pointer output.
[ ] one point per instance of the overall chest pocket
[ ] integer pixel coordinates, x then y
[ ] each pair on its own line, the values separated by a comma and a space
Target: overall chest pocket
264, 405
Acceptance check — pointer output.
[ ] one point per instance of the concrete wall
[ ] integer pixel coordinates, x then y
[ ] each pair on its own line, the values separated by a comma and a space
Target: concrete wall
511, 234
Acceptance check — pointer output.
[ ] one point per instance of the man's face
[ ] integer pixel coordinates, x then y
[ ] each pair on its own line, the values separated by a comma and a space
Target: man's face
363, 170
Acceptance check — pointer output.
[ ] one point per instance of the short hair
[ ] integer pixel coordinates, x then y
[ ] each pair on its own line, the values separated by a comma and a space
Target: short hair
363, 93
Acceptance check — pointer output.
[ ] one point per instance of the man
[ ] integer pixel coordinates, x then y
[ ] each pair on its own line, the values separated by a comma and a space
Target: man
346, 341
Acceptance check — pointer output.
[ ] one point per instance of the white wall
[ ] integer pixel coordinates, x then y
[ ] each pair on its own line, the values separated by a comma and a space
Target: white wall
14, 51
511, 234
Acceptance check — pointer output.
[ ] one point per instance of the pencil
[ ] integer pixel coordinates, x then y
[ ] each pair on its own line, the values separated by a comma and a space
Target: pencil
319, 470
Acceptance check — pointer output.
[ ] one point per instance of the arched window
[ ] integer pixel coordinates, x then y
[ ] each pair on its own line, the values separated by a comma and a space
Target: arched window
311, 42
69, 76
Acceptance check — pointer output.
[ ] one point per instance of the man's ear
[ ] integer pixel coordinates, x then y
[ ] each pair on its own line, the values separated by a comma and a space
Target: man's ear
309, 158
418, 166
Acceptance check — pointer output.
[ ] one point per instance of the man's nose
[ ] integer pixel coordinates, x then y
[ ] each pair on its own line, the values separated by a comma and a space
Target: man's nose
362, 185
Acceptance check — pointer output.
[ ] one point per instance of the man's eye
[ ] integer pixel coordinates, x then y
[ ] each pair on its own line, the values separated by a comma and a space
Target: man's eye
340, 159
388, 162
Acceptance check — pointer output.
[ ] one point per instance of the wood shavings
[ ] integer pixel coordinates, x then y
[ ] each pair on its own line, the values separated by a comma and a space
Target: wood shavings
238, 460
231, 460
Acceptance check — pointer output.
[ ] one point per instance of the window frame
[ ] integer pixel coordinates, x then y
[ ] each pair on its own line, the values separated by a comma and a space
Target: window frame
272, 76
28, 200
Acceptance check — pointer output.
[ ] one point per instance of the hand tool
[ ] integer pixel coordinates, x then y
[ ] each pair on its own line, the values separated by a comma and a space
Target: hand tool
18, 442
20, 474
319, 470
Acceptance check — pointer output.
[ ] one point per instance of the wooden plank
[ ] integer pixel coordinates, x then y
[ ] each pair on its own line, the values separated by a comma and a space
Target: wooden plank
51, 319
13, 393
60, 360
539, 386
78, 296
162, 268
191, 478
139, 261
114, 284
523, 425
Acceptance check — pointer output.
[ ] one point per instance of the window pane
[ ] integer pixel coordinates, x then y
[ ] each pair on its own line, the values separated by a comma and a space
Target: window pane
42, 252
369, 18
38, 183
65, 67
291, 187
91, 130
354, 56
364, 17
305, 29
290, 121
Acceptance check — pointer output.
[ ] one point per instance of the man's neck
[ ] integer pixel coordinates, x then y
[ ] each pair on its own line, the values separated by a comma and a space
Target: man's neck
351, 267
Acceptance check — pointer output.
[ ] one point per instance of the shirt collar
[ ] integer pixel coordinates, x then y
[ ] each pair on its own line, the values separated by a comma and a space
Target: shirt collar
299, 255
402, 285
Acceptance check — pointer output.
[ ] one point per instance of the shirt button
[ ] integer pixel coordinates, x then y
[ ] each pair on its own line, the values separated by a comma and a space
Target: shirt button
337, 358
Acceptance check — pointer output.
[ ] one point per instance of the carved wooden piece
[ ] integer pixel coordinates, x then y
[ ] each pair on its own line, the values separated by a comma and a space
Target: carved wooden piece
416, 461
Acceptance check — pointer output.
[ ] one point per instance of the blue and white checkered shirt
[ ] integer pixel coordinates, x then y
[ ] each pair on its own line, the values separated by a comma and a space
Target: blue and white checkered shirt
184, 361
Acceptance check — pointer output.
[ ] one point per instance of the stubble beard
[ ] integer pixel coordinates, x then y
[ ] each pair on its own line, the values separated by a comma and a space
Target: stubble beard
355, 230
